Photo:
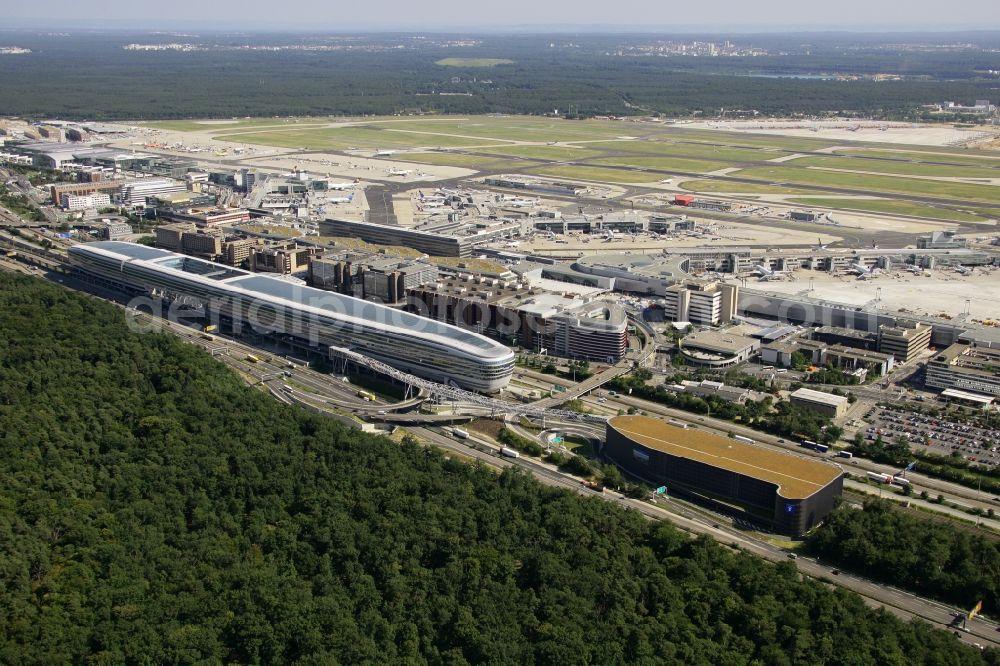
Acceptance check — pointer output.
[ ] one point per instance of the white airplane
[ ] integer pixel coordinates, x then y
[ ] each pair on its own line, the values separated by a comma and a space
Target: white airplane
384, 153
763, 271
963, 270
666, 181
339, 200
862, 271
399, 172
340, 186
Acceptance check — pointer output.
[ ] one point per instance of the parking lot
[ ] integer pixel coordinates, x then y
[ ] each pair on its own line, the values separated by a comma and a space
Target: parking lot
944, 437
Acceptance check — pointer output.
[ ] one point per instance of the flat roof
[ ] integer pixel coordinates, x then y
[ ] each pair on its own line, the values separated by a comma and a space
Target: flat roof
718, 341
306, 298
965, 395
821, 397
796, 477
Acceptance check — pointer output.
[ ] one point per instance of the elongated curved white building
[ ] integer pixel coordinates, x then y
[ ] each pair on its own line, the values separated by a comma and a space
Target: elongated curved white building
313, 317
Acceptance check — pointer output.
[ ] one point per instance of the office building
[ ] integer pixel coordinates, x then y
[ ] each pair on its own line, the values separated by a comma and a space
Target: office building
904, 341
561, 324
114, 229
282, 258
384, 280
85, 201
301, 316
965, 367
134, 193
700, 302
787, 493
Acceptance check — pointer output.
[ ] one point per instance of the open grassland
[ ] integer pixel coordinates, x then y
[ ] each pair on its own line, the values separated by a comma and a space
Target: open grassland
691, 150
466, 161
893, 207
344, 138
664, 163
738, 139
473, 62
895, 167
709, 186
514, 128
872, 183
969, 158
548, 152
596, 174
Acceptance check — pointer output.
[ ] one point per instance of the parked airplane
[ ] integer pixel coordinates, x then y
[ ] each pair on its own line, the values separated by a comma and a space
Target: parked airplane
339, 200
340, 186
763, 271
862, 271
963, 270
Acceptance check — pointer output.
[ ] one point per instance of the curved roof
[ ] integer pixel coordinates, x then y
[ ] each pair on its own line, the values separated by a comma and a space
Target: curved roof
305, 299
796, 477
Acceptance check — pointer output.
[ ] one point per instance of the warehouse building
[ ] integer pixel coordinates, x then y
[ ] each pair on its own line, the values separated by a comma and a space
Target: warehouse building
788, 493
827, 404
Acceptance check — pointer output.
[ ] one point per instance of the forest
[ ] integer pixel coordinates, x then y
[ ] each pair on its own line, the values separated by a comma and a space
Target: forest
91, 76
154, 509
931, 558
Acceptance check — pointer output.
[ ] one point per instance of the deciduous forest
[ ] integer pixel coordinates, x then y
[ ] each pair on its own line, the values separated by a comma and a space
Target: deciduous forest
154, 509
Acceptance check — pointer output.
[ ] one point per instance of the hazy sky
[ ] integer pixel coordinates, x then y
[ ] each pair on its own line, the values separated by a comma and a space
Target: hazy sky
722, 15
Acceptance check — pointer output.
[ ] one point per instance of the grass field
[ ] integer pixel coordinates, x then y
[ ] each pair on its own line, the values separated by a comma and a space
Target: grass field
548, 152
892, 208
968, 157
342, 138
467, 161
741, 139
874, 184
897, 167
473, 62
691, 150
515, 128
596, 174
664, 163
709, 186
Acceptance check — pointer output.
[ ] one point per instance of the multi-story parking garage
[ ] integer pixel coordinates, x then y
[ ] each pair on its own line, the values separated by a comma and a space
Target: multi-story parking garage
789, 493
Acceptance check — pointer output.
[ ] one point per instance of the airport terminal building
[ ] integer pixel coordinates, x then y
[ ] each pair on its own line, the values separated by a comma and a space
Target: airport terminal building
790, 494
300, 315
